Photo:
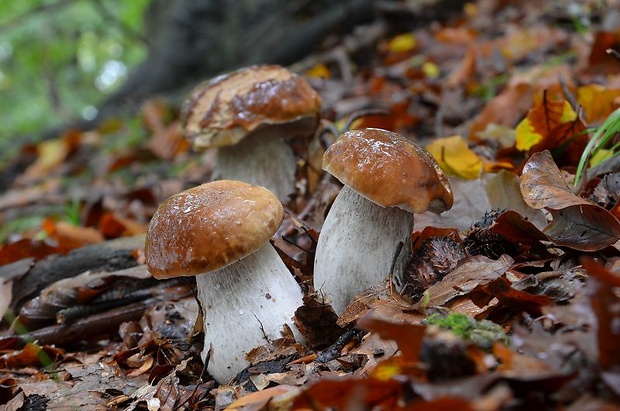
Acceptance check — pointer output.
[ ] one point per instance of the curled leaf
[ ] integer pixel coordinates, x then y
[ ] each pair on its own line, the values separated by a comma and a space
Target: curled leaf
577, 223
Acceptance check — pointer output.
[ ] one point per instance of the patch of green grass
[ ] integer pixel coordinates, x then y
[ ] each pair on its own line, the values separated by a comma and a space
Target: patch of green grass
598, 148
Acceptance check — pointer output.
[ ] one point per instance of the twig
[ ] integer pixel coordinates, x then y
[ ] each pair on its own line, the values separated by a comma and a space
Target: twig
613, 53
333, 351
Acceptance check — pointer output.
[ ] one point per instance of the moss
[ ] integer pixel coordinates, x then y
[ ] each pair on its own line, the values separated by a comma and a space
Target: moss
482, 333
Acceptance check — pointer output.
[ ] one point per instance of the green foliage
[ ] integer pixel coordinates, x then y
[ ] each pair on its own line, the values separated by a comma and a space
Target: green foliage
58, 60
482, 333
596, 152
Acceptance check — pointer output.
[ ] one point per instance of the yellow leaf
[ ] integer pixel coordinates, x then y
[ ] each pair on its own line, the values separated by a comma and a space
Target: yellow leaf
525, 135
455, 157
402, 43
597, 101
600, 156
430, 70
318, 71
541, 121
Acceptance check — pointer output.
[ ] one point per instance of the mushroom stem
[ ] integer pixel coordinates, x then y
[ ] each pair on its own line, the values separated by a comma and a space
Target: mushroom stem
245, 305
357, 246
264, 160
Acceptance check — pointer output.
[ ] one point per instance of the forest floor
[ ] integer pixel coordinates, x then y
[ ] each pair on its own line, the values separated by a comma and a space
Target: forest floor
513, 296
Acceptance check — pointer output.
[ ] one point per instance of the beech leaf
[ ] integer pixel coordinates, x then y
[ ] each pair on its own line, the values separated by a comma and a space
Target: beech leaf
577, 223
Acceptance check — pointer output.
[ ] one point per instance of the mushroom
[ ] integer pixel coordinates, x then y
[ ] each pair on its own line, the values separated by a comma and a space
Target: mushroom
386, 179
248, 114
219, 232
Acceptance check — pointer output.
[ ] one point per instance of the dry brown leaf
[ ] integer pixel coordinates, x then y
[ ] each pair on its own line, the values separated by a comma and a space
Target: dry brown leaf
475, 271
407, 336
505, 109
577, 223
258, 400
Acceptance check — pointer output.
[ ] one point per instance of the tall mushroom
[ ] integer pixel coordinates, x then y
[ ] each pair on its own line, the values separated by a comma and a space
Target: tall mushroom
219, 232
386, 179
248, 114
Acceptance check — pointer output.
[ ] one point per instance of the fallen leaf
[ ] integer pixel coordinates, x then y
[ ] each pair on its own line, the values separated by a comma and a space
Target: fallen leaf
466, 277
505, 109
600, 61
408, 337
455, 157
503, 189
257, 401
351, 393
583, 227
543, 120
514, 299
25, 248
69, 236
543, 186
577, 223
32, 354
402, 43
597, 101
471, 202
518, 229
602, 289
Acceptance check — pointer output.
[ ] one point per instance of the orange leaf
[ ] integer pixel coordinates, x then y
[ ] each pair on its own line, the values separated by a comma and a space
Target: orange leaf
68, 236
351, 393
258, 400
597, 101
505, 109
541, 121
408, 337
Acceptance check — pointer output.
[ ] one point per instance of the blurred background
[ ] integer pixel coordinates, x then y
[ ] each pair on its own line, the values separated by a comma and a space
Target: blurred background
72, 64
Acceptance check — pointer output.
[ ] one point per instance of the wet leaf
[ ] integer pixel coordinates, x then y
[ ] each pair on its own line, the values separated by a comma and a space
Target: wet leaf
577, 223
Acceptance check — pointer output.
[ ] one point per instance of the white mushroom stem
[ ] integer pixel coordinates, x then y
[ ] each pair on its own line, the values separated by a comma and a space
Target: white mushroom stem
245, 305
263, 160
357, 246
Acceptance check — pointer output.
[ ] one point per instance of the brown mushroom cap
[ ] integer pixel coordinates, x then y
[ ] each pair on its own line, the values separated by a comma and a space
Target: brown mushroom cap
209, 227
389, 170
226, 109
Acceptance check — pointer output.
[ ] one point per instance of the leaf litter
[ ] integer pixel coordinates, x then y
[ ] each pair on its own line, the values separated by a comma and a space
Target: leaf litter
506, 109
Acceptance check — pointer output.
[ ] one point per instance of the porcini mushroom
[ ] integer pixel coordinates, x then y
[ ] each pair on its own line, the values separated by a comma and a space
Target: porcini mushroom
248, 114
219, 232
386, 179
